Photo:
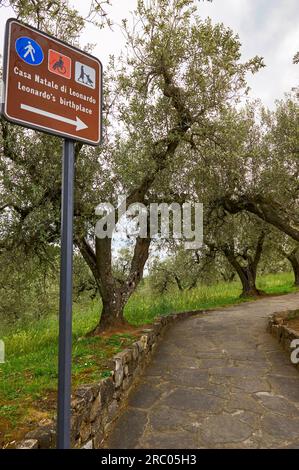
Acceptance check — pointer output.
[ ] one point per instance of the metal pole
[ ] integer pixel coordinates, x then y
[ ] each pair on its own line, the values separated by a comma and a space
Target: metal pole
65, 310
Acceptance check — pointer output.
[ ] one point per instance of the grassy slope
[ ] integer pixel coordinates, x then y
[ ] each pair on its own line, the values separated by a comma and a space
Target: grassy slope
28, 379
143, 307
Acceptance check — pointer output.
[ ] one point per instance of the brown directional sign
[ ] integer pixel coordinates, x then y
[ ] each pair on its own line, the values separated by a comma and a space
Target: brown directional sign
51, 86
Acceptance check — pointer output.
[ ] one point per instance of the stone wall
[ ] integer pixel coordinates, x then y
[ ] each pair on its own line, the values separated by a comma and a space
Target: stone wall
96, 406
284, 334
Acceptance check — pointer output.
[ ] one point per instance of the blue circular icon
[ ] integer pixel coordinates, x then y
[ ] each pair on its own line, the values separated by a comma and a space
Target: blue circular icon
29, 51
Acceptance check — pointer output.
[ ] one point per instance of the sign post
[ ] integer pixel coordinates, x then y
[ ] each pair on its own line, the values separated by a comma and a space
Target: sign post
55, 88
66, 285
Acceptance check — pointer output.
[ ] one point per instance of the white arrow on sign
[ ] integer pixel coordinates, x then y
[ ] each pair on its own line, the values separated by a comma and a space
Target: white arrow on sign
78, 123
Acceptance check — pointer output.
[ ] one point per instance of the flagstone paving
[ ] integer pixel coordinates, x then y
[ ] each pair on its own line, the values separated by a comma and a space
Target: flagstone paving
217, 380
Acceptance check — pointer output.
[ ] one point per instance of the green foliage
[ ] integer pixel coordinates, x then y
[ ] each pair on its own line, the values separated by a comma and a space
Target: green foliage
28, 286
145, 305
181, 269
83, 281
58, 17
32, 292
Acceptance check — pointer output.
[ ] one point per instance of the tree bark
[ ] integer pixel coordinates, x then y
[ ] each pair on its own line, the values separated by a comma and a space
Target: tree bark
178, 282
249, 288
112, 312
247, 274
294, 260
114, 293
265, 209
247, 277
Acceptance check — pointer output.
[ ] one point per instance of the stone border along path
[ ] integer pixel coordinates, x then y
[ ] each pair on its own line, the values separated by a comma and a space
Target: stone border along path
218, 380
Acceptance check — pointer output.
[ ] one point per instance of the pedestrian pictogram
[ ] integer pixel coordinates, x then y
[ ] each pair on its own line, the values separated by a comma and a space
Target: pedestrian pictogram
85, 75
59, 64
29, 50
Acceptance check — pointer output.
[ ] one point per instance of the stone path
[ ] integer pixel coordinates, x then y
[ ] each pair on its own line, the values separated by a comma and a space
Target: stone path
216, 381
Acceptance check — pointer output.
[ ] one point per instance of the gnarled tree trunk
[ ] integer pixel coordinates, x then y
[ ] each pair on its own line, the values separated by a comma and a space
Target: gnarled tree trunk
248, 279
293, 258
247, 274
114, 293
112, 311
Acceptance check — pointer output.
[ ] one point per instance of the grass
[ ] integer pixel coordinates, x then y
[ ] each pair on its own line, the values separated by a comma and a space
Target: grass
144, 307
28, 378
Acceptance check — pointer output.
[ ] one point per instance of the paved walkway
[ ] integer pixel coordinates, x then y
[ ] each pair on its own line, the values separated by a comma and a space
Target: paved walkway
216, 381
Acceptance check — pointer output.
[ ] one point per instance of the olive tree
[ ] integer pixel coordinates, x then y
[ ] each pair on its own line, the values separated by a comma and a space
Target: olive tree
272, 194
242, 240
178, 76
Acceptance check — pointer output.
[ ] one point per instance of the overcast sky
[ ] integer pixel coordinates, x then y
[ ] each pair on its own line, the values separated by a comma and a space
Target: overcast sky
269, 28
